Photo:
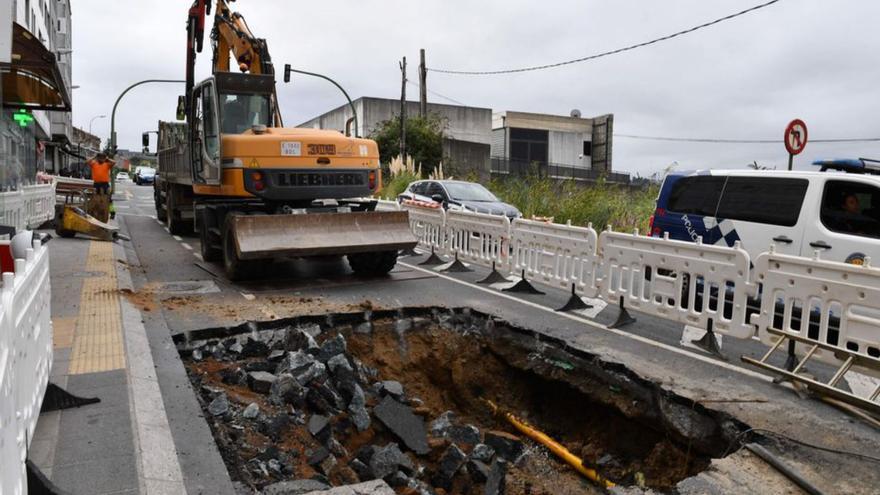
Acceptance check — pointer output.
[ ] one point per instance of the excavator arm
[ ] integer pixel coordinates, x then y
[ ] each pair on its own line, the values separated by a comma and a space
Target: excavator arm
231, 34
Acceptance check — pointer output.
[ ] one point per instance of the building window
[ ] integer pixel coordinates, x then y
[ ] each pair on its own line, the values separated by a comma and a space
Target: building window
528, 145
588, 148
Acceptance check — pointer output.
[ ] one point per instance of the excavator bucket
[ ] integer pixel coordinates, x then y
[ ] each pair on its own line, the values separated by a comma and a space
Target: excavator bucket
76, 221
270, 236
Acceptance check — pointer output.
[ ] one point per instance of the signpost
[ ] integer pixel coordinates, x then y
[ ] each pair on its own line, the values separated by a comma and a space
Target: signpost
795, 139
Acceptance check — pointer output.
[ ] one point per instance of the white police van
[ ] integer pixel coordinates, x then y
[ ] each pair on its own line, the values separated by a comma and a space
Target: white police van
835, 210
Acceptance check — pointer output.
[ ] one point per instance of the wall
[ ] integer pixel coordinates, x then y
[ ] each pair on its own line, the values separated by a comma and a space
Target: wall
566, 148
463, 123
463, 158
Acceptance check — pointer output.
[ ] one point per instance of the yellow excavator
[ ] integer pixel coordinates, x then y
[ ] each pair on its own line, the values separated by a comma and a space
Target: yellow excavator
255, 190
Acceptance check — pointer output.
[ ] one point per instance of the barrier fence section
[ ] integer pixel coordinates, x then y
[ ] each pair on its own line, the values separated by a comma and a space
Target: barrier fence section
25, 361
805, 296
691, 283
28, 207
429, 226
559, 255
481, 239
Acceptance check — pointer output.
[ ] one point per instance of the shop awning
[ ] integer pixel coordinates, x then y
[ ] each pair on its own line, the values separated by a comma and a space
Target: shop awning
32, 80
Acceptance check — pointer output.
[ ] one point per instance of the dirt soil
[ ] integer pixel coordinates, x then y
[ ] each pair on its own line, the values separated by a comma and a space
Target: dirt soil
443, 368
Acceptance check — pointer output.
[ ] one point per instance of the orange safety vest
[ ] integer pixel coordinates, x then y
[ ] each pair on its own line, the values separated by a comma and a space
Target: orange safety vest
100, 170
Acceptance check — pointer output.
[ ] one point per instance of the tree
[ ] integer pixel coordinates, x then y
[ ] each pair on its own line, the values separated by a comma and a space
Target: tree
424, 140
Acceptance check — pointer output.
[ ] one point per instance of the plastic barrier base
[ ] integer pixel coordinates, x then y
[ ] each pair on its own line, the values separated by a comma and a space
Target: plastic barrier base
57, 398
709, 343
523, 287
493, 278
623, 317
38, 484
574, 302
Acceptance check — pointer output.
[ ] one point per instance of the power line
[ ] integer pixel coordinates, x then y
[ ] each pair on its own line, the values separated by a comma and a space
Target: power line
438, 94
605, 54
739, 141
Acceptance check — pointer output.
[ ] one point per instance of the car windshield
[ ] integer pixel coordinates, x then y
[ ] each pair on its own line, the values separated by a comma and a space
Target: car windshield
240, 112
147, 171
463, 191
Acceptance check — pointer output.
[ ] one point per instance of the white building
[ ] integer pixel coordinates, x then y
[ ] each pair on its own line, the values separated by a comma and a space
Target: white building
35, 63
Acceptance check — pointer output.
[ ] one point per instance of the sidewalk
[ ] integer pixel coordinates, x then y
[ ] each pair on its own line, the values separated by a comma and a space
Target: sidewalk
123, 444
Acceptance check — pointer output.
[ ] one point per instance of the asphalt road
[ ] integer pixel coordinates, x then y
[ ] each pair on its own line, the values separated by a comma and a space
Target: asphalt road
178, 292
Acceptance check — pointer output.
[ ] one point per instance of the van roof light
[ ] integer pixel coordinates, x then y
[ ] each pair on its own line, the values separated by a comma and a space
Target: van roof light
851, 165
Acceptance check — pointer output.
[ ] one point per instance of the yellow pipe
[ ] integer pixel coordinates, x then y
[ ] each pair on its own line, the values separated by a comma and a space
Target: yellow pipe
554, 446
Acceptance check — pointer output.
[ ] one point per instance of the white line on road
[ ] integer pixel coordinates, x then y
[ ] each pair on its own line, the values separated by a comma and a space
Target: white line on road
166, 229
198, 256
644, 340
177, 238
186, 246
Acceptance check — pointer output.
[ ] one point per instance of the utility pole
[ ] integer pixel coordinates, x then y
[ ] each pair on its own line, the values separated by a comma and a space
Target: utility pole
423, 86
403, 110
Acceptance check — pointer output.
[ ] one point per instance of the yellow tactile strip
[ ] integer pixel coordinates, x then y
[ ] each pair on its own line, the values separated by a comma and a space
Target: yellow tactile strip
62, 332
97, 338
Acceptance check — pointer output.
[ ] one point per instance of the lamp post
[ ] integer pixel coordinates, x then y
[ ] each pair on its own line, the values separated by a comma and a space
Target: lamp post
93, 120
112, 144
288, 69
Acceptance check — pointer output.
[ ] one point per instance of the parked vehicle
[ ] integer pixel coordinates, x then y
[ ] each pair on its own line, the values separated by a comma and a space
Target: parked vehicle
459, 195
835, 211
144, 175
122, 177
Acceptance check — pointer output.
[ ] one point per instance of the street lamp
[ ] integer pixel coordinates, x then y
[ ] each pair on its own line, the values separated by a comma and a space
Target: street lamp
288, 69
93, 120
112, 144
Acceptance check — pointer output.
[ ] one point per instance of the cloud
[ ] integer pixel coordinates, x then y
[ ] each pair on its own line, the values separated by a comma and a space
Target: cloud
746, 78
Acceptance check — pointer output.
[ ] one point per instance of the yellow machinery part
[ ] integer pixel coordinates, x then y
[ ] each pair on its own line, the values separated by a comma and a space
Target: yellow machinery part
554, 446
320, 234
75, 220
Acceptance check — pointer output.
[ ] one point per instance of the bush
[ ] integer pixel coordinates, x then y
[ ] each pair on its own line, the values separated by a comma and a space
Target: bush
397, 184
600, 204
424, 140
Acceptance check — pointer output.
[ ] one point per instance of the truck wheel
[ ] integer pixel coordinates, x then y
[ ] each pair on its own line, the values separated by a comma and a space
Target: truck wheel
211, 250
372, 263
236, 269
175, 225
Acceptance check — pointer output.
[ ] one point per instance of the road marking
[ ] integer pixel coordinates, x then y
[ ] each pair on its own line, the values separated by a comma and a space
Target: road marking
198, 256
158, 221
186, 246
177, 238
166, 229
638, 338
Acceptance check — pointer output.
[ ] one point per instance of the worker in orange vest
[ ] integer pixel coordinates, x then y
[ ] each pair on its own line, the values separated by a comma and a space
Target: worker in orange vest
101, 168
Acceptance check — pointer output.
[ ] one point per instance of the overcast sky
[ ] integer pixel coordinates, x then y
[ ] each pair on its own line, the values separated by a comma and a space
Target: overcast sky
812, 59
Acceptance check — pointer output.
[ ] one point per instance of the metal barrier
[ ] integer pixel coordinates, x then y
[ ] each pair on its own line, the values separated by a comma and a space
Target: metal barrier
482, 239
25, 361
559, 255
832, 303
691, 283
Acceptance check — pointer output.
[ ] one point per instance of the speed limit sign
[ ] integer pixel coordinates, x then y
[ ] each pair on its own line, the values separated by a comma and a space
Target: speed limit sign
795, 137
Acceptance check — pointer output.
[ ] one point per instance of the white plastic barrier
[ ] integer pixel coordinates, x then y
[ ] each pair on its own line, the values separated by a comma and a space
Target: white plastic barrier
558, 255
801, 296
25, 361
429, 226
38, 203
687, 282
386, 205
28, 207
479, 238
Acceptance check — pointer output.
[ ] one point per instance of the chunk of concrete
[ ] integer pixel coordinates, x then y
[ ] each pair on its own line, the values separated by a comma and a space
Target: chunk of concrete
254, 348
408, 427
388, 460
295, 487
251, 411
332, 347
339, 361
294, 362
441, 425
392, 388
496, 483
448, 467
465, 434
319, 426
482, 452
260, 381
286, 390
508, 447
374, 487
220, 405
478, 471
